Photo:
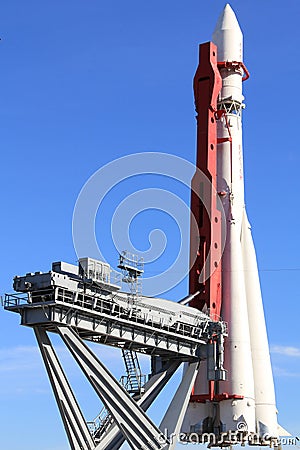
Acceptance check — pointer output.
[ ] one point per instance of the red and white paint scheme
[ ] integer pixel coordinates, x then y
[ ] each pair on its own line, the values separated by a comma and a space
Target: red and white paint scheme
245, 402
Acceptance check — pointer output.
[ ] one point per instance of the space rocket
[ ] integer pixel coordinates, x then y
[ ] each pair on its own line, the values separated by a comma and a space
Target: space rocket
222, 247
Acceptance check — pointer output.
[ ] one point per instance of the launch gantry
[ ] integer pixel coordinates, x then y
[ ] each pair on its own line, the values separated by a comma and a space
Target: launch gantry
84, 303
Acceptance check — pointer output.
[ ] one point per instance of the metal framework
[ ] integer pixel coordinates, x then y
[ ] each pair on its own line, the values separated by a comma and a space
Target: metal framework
78, 309
120, 324
132, 268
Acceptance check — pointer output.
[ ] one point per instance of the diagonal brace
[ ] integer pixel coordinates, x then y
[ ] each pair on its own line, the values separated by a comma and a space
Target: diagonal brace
174, 416
75, 425
113, 439
140, 432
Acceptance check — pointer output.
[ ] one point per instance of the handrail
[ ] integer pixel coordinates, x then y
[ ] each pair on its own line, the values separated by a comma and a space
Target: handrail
108, 307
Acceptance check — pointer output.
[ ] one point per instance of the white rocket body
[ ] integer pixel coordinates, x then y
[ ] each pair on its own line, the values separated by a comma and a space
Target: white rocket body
247, 356
230, 181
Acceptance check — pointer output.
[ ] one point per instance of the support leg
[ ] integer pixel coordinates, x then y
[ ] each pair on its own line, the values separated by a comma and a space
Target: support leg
77, 430
174, 416
114, 439
140, 432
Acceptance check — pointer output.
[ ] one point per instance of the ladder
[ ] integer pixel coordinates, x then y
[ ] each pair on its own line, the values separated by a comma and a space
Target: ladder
132, 268
101, 423
133, 382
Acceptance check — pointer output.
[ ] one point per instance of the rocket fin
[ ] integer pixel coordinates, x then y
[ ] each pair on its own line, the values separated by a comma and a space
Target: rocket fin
282, 431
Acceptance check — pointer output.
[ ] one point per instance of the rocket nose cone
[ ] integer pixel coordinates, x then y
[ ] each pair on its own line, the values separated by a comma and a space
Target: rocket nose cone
227, 20
228, 36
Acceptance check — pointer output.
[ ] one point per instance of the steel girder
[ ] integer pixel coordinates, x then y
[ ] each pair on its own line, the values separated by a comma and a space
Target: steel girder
130, 421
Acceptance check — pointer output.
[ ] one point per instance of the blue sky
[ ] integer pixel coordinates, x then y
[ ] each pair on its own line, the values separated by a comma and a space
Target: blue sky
86, 82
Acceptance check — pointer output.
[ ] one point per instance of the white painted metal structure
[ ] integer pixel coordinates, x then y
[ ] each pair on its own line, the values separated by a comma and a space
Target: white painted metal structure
67, 302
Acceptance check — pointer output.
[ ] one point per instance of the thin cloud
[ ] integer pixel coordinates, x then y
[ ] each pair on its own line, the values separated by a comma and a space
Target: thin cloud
26, 360
286, 351
19, 358
22, 371
281, 372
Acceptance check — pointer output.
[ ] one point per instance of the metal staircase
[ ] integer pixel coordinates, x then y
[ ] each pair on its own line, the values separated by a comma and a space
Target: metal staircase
133, 382
100, 424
